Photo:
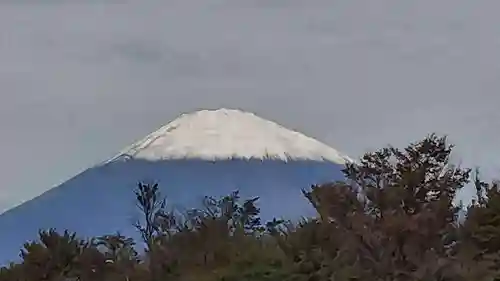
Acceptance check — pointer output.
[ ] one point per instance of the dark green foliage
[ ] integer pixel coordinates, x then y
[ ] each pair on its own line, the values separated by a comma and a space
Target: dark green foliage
393, 219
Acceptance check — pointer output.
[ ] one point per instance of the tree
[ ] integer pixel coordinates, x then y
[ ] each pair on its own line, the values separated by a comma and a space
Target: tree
152, 206
54, 257
393, 219
121, 258
481, 228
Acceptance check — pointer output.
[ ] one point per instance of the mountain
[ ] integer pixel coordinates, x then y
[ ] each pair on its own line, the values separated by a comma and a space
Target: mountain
205, 153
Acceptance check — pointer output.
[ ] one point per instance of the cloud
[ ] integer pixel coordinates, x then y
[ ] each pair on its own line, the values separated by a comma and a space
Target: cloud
81, 79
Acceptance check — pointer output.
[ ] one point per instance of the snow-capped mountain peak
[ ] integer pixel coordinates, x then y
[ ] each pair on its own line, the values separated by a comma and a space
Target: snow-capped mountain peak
228, 134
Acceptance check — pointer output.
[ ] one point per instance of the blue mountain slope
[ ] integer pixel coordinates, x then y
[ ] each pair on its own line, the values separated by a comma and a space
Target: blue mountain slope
101, 200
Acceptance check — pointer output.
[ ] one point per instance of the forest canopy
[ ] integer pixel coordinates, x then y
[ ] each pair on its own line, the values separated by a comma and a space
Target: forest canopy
393, 218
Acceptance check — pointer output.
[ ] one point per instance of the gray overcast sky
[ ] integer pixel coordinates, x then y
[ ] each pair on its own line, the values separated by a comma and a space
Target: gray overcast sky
79, 80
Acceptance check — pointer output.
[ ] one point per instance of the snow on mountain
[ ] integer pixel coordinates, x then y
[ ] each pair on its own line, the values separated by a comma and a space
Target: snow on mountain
228, 134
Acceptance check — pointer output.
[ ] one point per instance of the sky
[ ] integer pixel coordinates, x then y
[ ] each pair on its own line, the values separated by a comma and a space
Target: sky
82, 79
